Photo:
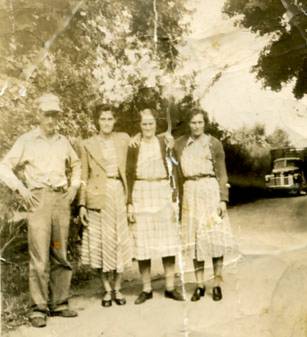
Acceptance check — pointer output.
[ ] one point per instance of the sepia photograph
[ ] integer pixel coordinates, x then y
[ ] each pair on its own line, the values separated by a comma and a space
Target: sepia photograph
153, 168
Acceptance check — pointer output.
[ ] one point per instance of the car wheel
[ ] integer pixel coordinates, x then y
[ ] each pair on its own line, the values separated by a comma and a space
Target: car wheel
298, 190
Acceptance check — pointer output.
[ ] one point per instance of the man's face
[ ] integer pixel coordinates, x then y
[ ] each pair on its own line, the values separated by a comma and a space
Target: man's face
197, 125
48, 122
106, 122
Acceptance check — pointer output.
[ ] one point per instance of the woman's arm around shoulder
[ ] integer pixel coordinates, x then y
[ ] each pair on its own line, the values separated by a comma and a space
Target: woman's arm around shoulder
218, 155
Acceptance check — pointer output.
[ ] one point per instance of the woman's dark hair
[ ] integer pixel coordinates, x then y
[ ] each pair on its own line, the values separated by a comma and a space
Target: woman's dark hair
148, 111
99, 109
197, 111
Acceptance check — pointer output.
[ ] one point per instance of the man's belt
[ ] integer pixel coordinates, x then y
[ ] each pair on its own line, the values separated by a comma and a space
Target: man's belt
114, 177
60, 189
200, 176
152, 179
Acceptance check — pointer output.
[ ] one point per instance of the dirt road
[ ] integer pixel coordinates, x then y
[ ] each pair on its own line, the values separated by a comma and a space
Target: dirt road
265, 290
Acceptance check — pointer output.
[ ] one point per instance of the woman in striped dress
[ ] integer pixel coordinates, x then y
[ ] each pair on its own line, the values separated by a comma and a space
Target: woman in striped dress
105, 243
206, 230
150, 208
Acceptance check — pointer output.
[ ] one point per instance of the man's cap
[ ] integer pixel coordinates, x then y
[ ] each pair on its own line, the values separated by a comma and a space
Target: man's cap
49, 102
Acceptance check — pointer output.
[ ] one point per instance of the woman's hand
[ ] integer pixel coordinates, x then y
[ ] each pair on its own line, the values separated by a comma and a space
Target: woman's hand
130, 213
83, 216
71, 193
135, 140
222, 209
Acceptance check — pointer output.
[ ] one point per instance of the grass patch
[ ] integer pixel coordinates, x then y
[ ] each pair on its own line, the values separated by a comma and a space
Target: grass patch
15, 283
15, 294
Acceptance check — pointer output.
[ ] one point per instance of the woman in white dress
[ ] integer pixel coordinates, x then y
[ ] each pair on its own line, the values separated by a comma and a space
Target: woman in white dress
150, 208
206, 230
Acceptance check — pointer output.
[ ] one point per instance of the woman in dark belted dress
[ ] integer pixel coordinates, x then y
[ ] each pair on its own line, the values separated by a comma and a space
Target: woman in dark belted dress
206, 230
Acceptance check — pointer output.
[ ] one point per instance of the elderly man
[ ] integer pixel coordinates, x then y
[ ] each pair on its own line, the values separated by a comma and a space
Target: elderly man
45, 157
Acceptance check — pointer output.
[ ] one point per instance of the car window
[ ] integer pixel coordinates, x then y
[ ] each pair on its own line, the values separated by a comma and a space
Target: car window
293, 163
279, 164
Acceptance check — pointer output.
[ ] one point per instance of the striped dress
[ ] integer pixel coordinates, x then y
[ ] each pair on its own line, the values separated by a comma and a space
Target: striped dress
155, 230
106, 242
204, 233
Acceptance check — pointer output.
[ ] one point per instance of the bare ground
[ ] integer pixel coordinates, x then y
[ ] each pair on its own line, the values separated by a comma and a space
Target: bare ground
265, 290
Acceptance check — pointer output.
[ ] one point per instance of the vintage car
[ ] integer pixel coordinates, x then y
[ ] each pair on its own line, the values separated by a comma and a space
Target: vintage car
287, 174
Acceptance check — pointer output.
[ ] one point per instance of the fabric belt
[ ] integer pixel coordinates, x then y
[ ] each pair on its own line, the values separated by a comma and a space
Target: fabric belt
58, 189
94, 209
152, 179
200, 176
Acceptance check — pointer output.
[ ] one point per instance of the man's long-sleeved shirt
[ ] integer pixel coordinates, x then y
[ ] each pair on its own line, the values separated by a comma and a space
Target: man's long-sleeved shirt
45, 161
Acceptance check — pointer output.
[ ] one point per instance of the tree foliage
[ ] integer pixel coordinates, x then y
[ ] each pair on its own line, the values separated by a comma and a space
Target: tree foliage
284, 58
120, 52
248, 150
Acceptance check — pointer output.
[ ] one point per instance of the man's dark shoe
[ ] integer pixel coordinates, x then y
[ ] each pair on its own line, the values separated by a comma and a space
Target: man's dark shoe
217, 293
198, 293
38, 322
64, 313
174, 294
143, 296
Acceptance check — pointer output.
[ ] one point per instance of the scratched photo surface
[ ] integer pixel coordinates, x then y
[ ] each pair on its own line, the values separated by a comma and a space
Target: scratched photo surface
107, 210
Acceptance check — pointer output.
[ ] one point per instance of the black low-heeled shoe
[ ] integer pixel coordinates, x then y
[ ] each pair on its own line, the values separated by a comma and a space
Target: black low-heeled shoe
198, 293
143, 296
118, 301
106, 303
217, 293
174, 295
